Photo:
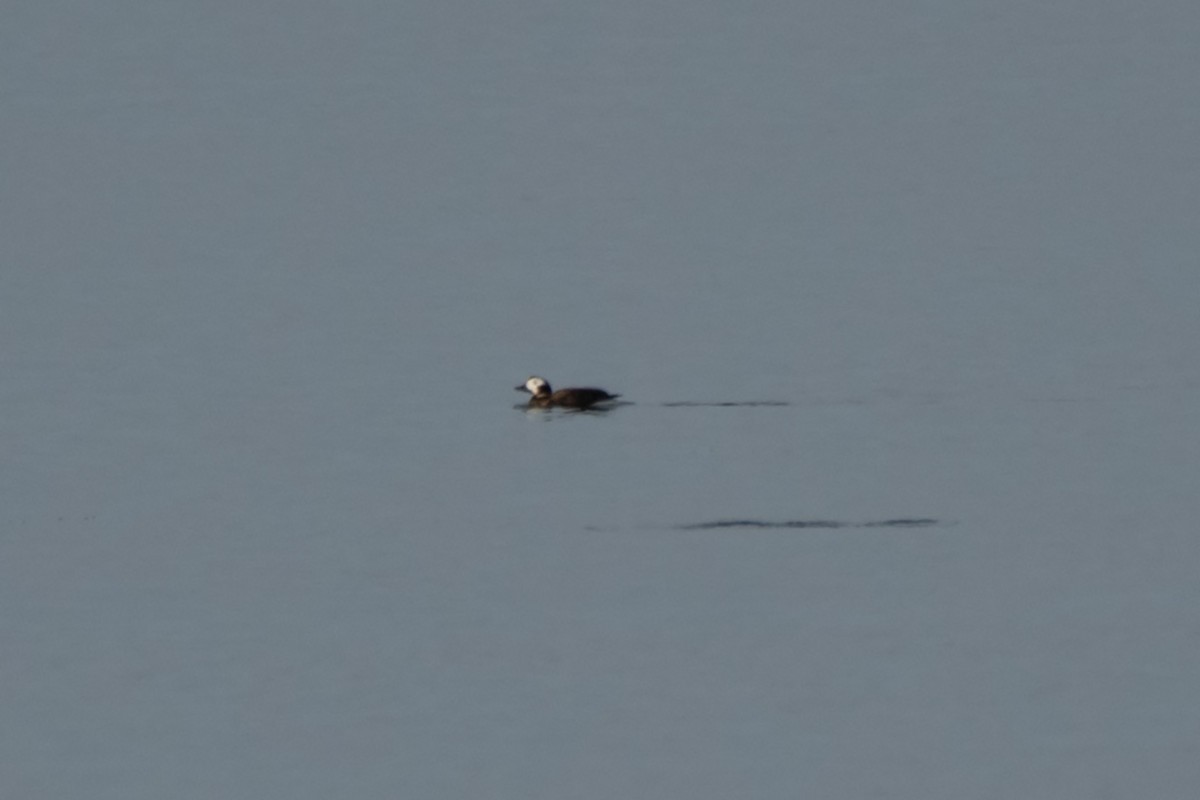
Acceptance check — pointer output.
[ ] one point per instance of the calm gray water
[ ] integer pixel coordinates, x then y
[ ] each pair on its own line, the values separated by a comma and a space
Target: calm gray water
273, 526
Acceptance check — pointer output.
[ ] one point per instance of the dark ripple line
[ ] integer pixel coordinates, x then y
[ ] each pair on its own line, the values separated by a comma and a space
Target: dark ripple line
729, 404
822, 524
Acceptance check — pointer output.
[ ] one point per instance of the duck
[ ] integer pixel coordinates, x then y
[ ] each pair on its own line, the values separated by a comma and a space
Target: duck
578, 398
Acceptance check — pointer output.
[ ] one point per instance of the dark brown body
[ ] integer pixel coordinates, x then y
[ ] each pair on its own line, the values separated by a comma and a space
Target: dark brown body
577, 398
584, 397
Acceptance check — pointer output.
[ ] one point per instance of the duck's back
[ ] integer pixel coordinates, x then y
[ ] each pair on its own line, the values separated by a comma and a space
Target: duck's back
581, 397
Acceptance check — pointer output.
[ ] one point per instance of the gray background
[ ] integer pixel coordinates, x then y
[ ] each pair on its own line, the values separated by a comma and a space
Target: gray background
272, 528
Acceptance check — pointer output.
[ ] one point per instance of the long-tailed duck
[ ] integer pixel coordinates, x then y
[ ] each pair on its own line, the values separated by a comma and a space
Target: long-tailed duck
545, 397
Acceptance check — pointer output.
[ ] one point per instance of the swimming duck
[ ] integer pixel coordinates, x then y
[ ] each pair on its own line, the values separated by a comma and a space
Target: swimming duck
545, 397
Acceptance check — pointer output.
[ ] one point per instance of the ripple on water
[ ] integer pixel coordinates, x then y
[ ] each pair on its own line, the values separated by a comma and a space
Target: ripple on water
819, 524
